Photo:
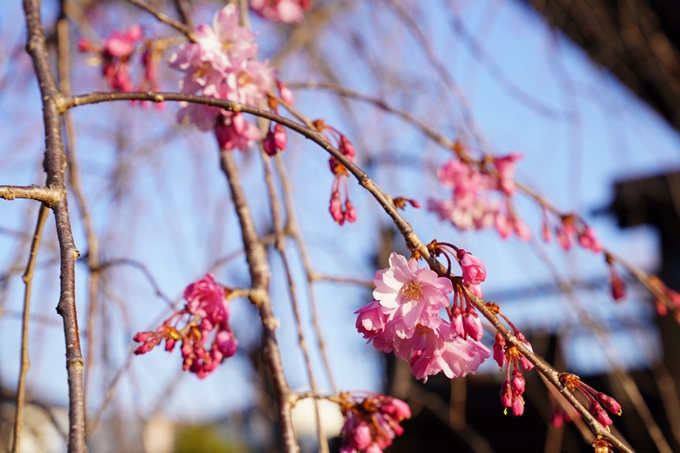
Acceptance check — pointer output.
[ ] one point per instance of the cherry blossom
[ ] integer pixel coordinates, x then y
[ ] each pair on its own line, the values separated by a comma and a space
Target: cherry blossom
221, 64
480, 196
115, 54
287, 11
404, 319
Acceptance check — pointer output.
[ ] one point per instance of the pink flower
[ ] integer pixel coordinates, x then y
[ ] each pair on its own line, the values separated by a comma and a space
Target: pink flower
121, 45
205, 298
233, 132
285, 93
371, 320
506, 171
445, 352
287, 11
588, 240
220, 64
499, 349
473, 268
473, 325
408, 295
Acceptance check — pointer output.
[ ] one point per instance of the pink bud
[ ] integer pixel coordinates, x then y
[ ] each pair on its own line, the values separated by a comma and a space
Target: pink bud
503, 226
473, 268
545, 232
350, 212
280, 139
521, 229
238, 122
473, 325
563, 238
374, 448
518, 382
610, 403
268, 144
517, 406
336, 208
85, 45
361, 435
134, 33
457, 321
526, 364
396, 408
599, 413
285, 93
141, 337
170, 344
506, 394
346, 148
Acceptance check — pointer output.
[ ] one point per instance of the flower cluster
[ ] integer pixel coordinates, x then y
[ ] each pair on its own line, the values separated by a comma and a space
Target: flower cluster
595, 399
221, 64
571, 227
661, 307
472, 206
371, 424
287, 11
341, 212
115, 54
205, 314
404, 319
510, 356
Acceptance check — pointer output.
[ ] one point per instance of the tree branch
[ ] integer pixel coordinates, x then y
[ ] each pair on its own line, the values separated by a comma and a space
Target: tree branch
45, 194
259, 273
54, 164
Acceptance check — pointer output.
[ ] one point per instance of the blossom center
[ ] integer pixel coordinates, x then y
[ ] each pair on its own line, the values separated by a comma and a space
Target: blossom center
412, 291
422, 330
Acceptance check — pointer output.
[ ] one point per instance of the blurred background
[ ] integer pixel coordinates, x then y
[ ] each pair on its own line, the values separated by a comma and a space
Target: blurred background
587, 91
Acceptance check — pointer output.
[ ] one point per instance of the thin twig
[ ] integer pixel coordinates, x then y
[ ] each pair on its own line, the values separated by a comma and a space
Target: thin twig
294, 230
184, 29
47, 195
25, 361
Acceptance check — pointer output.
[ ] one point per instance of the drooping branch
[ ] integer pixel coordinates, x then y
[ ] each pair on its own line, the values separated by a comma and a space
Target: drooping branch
414, 243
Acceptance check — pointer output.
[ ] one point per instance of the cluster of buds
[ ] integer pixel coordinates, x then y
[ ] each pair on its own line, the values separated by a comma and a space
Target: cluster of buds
570, 227
204, 316
659, 288
510, 357
372, 424
472, 205
114, 55
594, 398
341, 212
